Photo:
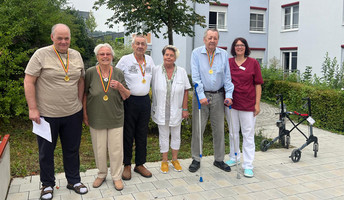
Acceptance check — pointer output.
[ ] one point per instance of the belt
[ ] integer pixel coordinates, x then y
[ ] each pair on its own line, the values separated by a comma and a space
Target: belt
215, 92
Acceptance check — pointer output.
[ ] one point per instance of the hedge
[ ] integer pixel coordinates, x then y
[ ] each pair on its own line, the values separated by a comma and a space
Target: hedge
327, 105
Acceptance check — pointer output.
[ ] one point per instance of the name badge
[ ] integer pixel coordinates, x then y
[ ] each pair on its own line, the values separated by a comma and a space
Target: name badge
242, 68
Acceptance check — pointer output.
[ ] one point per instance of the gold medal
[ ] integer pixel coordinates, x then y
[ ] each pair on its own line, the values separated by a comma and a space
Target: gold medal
211, 71
105, 98
66, 78
143, 81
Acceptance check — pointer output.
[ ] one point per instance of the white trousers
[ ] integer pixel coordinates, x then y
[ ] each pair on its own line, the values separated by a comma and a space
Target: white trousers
164, 135
108, 141
245, 121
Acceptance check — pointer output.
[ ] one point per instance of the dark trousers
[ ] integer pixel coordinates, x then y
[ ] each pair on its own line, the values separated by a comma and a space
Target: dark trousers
136, 118
69, 129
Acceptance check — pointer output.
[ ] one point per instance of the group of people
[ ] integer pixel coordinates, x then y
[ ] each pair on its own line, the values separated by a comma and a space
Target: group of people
114, 102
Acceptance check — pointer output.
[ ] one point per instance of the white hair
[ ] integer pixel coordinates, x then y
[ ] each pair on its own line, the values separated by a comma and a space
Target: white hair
173, 48
138, 36
213, 30
99, 46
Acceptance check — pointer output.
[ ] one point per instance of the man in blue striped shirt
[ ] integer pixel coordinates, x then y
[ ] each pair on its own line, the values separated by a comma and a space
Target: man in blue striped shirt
210, 70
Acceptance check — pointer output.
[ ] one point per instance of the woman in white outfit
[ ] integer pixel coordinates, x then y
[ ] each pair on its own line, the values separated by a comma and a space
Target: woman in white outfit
170, 86
247, 80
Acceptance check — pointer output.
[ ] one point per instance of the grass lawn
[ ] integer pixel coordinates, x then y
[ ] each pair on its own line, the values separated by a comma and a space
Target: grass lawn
24, 150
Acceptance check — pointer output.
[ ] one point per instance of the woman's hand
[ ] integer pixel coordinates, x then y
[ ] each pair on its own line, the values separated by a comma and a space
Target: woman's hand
185, 114
85, 119
256, 109
115, 85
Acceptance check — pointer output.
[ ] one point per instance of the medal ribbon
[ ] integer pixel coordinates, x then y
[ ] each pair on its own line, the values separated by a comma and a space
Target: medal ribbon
65, 68
212, 59
141, 68
101, 79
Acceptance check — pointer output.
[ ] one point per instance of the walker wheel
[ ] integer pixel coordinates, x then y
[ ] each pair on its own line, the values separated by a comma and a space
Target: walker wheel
315, 149
264, 145
295, 155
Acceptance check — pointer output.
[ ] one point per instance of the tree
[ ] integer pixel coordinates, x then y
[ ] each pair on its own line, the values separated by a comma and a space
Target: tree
24, 27
144, 16
91, 22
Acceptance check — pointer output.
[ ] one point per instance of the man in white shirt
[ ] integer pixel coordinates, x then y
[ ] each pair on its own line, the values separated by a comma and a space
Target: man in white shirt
137, 68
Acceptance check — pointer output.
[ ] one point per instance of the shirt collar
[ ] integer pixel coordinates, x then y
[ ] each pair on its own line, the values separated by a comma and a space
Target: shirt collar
204, 50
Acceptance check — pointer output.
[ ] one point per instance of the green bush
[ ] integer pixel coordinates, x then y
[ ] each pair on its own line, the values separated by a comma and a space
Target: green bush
326, 105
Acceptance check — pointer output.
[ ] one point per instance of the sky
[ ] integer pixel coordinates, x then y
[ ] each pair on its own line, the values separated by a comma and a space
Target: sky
101, 14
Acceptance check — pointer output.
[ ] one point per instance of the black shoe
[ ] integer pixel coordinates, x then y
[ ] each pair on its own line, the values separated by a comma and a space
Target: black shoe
195, 165
222, 166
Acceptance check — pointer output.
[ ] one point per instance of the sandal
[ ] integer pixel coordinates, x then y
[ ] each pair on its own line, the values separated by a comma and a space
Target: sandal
46, 190
77, 188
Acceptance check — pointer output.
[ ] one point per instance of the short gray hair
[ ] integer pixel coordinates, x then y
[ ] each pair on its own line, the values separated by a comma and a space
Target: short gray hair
99, 46
213, 30
172, 48
56, 25
138, 36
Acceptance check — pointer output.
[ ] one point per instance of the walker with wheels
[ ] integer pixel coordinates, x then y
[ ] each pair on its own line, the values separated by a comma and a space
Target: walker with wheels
284, 134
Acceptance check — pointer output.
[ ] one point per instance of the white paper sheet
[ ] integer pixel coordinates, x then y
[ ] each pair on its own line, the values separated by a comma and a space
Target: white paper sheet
42, 129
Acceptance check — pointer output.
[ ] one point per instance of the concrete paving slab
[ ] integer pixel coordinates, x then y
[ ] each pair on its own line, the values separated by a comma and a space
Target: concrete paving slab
276, 175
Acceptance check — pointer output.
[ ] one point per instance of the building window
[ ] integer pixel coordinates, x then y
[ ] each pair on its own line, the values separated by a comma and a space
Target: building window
289, 61
258, 54
290, 16
257, 17
218, 17
260, 61
256, 22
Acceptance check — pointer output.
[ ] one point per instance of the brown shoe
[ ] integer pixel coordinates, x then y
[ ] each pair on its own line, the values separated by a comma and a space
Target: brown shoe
98, 182
143, 171
118, 185
126, 175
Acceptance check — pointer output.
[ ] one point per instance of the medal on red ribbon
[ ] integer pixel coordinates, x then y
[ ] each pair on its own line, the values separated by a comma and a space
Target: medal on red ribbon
142, 69
211, 61
105, 97
64, 66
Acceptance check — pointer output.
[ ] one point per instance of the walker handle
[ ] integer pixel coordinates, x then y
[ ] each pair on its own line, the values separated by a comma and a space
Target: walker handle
303, 115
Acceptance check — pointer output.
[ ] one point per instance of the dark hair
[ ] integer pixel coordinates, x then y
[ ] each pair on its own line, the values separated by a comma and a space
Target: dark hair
243, 40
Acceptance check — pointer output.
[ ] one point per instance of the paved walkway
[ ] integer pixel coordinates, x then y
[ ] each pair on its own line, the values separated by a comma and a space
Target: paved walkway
276, 176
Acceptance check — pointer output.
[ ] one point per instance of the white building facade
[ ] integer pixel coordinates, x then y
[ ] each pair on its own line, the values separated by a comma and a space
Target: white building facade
302, 32
295, 33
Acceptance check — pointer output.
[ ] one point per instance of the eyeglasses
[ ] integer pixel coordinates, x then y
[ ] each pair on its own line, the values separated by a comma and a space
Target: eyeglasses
105, 54
239, 45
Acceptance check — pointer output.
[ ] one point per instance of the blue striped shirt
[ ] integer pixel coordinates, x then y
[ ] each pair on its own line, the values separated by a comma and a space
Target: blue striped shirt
220, 77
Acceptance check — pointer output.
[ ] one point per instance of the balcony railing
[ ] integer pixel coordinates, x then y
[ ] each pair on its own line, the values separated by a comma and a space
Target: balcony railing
289, 27
218, 26
257, 29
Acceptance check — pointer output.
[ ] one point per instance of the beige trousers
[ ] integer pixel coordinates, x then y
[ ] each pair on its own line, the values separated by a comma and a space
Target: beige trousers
108, 141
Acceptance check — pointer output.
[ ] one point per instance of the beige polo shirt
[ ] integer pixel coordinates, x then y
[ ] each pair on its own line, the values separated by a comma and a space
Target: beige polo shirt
56, 97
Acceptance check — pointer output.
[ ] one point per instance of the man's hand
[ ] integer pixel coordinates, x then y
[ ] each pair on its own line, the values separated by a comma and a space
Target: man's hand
228, 102
34, 115
204, 101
